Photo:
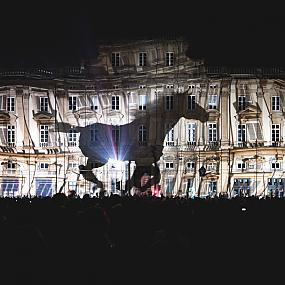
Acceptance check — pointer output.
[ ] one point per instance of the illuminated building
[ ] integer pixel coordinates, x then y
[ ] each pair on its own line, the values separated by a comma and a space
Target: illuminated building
228, 120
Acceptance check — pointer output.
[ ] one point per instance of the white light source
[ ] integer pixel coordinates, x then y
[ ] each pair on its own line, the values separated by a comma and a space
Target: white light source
116, 163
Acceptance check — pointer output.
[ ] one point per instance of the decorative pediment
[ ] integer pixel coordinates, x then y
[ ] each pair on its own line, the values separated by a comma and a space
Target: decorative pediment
4, 116
43, 116
250, 112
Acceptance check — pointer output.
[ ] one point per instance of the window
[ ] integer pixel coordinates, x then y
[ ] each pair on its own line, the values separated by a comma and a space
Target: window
94, 133
115, 59
142, 59
191, 102
275, 103
169, 185
11, 165
254, 131
189, 187
169, 102
116, 134
191, 165
44, 104
73, 165
241, 187
241, 133
10, 187
115, 102
169, 59
212, 132
72, 186
275, 164
142, 102
241, 103
241, 165
43, 166
275, 133
142, 135
212, 188
43, 187
11, 135
169, 135
191, 89
10, 104
44, 134
72, 103
211, 166
191, 134
94, 103
212, 101
72, 137
169, 165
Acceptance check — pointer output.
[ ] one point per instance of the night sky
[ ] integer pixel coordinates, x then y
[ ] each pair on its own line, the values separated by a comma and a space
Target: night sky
229, 33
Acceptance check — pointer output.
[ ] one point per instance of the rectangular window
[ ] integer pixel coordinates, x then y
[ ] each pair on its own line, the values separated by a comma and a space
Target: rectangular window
44, 104
44, 135
72, 138
212, 188
191, 165
169, 102
11, 134
43, 187
72, 186
169, 58
191, 134
142, 59
94, 103
212, 132
11, 104
169, 165
241, 103
241, 187
241, 133
213, 101
142, 102
115, 59
115, 102
169, 185
72, 103
191, 102
241, 165
275, 165
275, 133
10, 187
43, 166
169, 135
275, 103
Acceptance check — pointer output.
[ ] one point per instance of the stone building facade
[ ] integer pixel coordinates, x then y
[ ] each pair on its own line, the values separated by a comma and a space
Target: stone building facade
156, 102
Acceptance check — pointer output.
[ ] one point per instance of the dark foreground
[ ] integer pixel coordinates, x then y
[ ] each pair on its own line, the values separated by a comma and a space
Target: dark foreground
141, 240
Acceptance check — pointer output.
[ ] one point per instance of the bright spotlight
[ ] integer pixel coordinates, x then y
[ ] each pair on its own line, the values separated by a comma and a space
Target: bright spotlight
116, 163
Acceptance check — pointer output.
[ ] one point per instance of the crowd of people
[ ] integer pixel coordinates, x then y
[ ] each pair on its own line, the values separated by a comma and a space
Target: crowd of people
119, 239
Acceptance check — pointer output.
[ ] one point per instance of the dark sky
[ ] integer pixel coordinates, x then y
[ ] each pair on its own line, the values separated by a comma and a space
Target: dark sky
61, 34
